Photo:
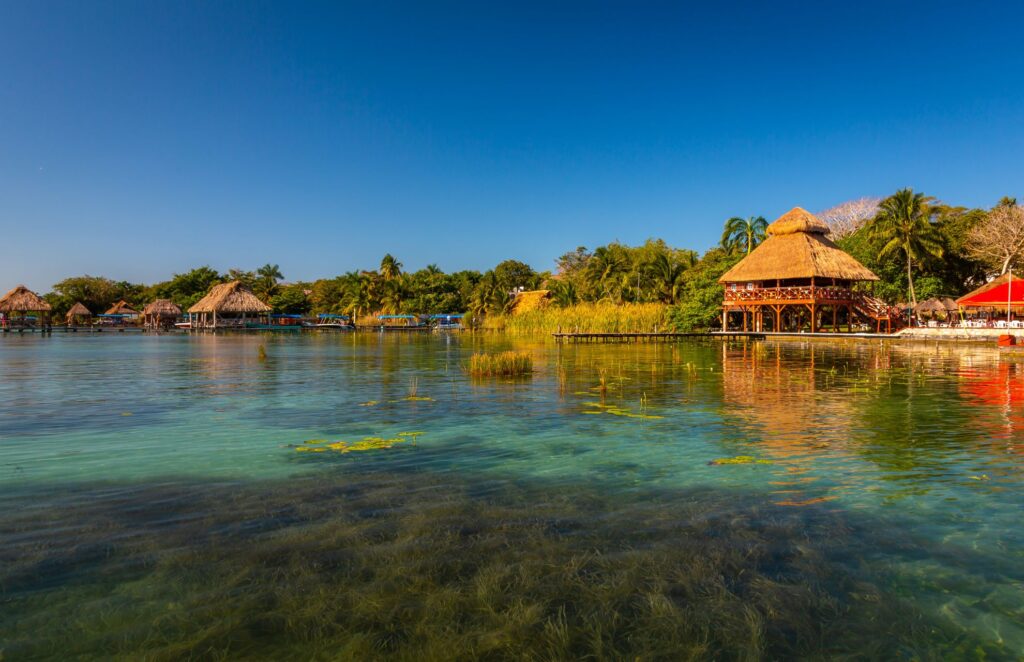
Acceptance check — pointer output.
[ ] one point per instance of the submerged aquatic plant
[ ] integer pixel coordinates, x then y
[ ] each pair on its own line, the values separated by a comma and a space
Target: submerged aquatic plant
504, 364
364, 444
615, 410
361, 566
739, 459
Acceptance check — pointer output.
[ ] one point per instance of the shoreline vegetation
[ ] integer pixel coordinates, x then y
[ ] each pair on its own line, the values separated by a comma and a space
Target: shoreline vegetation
920, 249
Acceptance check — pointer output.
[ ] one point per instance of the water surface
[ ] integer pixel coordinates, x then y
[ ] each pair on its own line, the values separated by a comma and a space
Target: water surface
161, 497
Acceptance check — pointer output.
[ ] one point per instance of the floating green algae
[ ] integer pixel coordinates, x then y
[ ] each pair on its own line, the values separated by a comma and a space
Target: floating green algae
739, 459
615, 410
364, 444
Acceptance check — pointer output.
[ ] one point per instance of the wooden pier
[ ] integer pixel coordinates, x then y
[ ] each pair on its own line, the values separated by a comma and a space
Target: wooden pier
726, 335
647, 337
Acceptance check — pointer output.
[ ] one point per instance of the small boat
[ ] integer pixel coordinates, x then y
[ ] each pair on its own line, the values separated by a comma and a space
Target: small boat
331, 321
447, 322
402, 323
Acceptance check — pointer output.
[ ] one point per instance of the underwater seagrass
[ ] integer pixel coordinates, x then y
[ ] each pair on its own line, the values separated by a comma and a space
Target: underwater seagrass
363, 566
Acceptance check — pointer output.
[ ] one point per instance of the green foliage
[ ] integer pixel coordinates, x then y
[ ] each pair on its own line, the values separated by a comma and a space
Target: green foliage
512, 274
743, 234
95, 293
187, 288
904, 227
701, 299
291, 299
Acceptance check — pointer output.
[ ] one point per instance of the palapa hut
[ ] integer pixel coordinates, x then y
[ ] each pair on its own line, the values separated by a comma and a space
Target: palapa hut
796, 279
160, 314
16, 304
123, 309
530, 300
78, 315
228, 305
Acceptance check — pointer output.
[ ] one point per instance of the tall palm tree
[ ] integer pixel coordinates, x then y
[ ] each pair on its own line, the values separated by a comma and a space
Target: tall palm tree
606, 269
390, 268
903, 225
744, 233
266, 284
664, 273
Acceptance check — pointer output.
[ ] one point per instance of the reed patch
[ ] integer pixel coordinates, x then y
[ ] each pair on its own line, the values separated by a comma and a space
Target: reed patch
503, 364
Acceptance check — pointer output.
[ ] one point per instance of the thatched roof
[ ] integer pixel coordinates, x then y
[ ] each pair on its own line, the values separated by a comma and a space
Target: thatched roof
22, 299
122, 308
530, 300
233, 297
162, 308
796, 220
79, 310
930, 306
797, 247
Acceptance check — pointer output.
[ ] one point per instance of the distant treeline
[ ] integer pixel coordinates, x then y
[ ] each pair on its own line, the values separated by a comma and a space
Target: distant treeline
918, 247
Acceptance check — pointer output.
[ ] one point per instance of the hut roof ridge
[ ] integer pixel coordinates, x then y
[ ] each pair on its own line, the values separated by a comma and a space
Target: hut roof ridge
23, 299
233, 297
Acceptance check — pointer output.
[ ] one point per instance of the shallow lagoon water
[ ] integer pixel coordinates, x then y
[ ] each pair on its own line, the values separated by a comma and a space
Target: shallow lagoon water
155, 501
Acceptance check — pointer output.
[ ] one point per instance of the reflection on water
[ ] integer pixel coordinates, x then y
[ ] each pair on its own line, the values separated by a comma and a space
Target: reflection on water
152, 496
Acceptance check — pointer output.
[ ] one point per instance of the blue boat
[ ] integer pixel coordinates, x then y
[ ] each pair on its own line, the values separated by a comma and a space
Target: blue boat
447, 321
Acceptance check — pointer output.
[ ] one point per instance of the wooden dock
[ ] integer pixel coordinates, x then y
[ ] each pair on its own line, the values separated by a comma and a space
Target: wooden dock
727, 335
647, 337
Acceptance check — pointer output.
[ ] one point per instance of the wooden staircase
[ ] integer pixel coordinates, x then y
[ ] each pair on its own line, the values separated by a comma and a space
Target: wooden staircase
886, 318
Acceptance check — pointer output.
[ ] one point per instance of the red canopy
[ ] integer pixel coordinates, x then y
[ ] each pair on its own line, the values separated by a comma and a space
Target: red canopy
996, 294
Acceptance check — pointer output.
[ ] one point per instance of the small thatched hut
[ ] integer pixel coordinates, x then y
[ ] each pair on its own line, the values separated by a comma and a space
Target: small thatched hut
78, 314
160, 314
228, 305
796, 276
15, 305
530, 300
124, 309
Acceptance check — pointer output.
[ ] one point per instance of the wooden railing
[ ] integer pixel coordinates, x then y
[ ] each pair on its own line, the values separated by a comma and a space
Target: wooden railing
796, 293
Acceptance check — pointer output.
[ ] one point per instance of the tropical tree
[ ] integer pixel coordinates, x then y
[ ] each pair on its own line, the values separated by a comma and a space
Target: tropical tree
267, 277
390, 268
743, 234
607, 269
903, 226
998, 240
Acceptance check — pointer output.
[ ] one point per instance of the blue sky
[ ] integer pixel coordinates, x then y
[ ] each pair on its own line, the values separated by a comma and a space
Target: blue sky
138, 139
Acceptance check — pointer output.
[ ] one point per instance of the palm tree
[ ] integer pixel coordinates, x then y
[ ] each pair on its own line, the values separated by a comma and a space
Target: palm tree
744, 233
266, 284
606, 269
664, 273
563, 293
903, 225
390, 268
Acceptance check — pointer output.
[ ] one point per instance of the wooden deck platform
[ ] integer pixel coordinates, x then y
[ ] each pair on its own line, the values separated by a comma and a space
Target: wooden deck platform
669, 337
650, 337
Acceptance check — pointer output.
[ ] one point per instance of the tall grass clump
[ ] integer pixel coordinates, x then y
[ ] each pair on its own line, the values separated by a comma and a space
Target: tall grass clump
601, 317
505, 364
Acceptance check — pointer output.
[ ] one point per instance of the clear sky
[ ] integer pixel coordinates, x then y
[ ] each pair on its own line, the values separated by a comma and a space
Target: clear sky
138, 139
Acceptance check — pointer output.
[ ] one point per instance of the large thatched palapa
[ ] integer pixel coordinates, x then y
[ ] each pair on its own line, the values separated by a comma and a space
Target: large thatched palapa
796, 276
226, 305
162, 313
23, 300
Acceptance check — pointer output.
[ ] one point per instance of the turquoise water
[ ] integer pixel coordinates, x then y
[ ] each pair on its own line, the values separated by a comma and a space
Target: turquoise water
876, 512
